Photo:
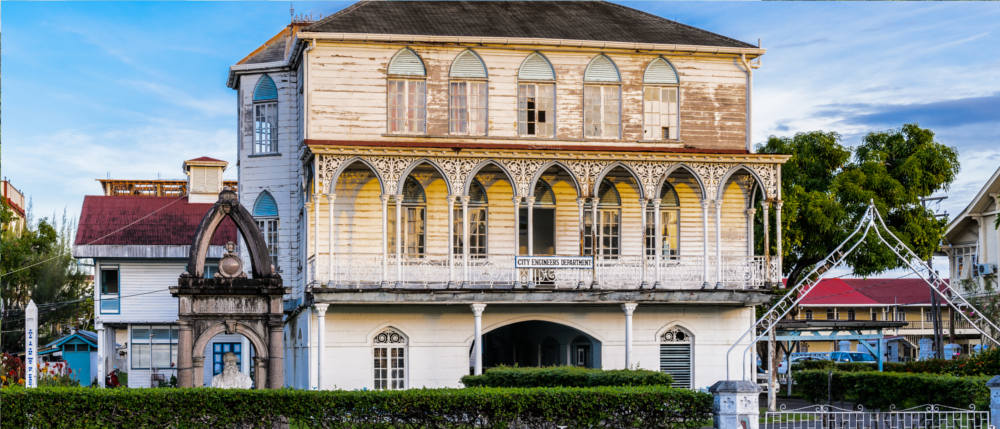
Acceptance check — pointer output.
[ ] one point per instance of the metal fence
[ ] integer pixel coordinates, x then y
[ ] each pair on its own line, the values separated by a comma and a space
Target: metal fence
923, 417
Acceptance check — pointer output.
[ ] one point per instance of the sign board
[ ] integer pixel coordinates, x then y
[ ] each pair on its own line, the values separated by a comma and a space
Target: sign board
31, 345
584, 262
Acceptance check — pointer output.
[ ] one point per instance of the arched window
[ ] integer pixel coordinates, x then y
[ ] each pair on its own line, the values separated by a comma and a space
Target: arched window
609, 212
265, 212
467, 95
602, 99
677, 356
660, 95
265, 116
478, 226
670, 224
407, 94
536, 96
413, 220
389, 349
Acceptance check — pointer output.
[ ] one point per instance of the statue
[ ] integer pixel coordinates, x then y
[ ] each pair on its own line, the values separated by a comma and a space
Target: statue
231, 377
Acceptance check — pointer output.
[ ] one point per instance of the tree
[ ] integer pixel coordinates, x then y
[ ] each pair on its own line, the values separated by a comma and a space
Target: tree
826, 188
37, 264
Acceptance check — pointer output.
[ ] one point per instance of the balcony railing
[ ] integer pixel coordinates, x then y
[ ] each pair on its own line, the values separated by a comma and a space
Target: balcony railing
433, 271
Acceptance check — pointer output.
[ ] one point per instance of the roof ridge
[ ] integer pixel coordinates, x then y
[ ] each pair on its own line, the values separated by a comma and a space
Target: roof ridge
343, 11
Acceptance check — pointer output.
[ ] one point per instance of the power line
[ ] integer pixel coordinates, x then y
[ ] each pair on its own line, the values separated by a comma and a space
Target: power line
98, 238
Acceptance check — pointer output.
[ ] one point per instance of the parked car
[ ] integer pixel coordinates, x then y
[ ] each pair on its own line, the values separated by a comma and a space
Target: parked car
800, 357
852, 357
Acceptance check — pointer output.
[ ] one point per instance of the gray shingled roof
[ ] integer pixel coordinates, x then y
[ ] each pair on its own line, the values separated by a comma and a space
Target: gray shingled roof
574, 20
275, 52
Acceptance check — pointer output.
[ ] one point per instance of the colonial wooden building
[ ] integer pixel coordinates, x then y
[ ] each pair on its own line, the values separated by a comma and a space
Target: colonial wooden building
448, 186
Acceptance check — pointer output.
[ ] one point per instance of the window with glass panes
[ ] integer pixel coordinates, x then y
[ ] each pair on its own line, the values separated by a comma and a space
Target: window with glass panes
660, 118
110, 290
477, 223
601, 111
670, 224
413, 221
407, 106
154, 346
265, 212
389, 363
265, 116
219, 350
467, 108
609, 211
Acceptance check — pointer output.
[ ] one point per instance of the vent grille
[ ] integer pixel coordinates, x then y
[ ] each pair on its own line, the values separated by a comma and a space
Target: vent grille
675, 359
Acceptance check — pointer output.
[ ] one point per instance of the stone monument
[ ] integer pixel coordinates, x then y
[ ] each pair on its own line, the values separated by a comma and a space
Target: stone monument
231, 377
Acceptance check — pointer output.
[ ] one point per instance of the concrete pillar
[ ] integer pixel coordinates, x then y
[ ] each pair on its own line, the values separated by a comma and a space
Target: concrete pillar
465, 237
451, 239
772, 372
330, 236
658, 238
628, 308
765, 206
102, 353
260, 367
276, 358
185, 376
315, 246
320, 310
704, 242
735, 404
197, 371
994, 385
385, 238
750, 213
399, 238
530, 202
595, 227
477, 345
777, 238
580, 202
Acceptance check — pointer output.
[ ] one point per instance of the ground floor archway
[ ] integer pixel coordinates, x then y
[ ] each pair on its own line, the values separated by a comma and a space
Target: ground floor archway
540, 343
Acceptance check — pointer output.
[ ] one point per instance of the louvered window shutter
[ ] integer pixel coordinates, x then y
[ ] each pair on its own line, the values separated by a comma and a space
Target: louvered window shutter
661, 72
536, 67
407, 63
468, 65
601, 69
675, 359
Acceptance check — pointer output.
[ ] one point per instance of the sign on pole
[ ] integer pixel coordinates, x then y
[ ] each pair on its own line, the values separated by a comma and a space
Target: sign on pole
31, 345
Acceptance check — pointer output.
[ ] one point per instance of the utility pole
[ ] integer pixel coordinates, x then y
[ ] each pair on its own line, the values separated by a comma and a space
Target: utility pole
935, 305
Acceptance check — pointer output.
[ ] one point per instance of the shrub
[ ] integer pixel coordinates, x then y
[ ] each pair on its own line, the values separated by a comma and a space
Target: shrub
565, 376
985, 363
883, 389
638, 406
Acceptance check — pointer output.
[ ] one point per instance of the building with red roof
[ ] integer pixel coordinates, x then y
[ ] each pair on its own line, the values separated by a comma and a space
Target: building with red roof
866, 304
139, 235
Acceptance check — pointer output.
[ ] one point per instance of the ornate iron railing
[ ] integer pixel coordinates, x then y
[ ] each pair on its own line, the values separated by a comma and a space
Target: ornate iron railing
361, 270
923, 417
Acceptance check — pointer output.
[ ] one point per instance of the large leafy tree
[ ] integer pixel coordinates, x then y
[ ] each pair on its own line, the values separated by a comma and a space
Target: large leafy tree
826, 187
37, 264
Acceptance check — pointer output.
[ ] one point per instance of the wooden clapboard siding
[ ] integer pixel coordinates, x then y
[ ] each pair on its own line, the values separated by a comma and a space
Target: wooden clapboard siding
734, 224
358, 214
499, 214
567, 215
347, 100
691, 225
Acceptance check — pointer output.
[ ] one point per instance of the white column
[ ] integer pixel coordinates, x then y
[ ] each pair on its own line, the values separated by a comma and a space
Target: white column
465, 236
517, 236
765, 206
658, 236
596, 224
399, 238
315, 245
320, 310
580, 202
530, 201
385, 238
704, 242
750, 213
477, 345
330, 237
718, 243
451, 239
777, 237
102, 353
628, 308
645, 258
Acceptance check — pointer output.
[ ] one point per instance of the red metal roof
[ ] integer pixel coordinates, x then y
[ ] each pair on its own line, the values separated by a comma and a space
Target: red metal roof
847, 292
205, 158
171, 221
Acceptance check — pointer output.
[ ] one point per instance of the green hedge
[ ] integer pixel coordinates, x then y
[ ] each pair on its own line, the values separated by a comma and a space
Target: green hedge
875, 389
640, 406
985, 363
565, 376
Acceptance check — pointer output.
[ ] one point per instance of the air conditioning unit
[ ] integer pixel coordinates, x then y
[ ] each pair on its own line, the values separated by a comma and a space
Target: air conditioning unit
985, 269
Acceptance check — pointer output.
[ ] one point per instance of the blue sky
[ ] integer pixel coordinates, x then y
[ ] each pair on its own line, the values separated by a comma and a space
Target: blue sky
132, 89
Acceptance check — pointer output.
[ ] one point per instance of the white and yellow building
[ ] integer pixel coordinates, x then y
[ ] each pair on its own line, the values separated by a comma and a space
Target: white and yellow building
405, 160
